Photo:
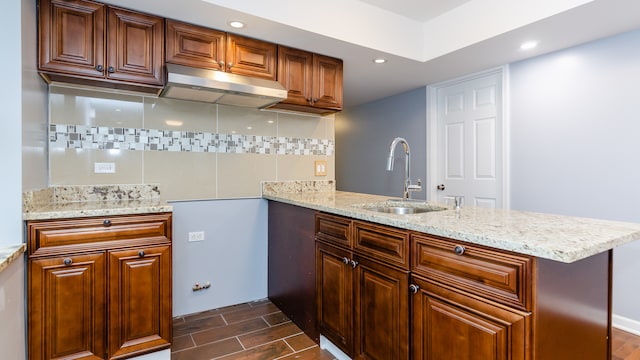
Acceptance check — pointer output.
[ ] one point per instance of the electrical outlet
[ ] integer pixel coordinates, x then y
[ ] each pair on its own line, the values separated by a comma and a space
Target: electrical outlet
196, 236
104, 168
320, 167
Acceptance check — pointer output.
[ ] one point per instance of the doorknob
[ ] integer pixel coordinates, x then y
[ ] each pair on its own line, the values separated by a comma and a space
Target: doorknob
440, 187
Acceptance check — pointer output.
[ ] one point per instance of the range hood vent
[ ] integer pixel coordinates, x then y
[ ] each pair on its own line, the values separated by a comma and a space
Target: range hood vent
188, 83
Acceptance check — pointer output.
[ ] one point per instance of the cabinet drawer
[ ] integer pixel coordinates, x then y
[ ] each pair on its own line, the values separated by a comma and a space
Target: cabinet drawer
333, 229
383, 243
499, 276
52, 237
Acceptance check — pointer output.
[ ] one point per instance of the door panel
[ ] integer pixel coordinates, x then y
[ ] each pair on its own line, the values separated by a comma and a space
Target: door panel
470, 154
334, 284
139, 300
67, 310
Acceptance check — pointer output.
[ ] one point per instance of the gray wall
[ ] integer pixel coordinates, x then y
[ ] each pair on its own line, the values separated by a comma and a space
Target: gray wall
233, 256
363, 135
575, 142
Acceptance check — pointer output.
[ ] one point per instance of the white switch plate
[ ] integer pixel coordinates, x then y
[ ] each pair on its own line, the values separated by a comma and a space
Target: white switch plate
104, 168
196, 236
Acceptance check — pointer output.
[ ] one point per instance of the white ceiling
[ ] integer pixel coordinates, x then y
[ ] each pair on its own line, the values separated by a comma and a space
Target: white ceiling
424, 41
420, 10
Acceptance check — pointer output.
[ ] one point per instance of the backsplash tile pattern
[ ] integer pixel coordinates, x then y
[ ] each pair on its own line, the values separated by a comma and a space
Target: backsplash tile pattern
101, 137
192, 150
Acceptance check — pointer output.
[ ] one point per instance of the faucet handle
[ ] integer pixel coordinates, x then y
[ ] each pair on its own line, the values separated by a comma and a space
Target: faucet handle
417, 187
457, 201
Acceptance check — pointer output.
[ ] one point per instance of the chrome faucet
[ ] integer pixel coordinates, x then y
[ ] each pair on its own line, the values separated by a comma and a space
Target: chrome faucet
407, 174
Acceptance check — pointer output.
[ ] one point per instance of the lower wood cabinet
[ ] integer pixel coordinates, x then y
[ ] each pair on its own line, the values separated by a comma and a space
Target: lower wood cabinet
447, 324
99, 288
363, 304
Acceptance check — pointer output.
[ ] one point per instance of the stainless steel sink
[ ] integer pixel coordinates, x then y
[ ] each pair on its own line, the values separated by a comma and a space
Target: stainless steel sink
400, 207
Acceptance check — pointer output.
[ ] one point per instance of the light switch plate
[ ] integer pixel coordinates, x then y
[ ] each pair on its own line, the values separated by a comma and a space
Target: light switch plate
104, 168
320, 167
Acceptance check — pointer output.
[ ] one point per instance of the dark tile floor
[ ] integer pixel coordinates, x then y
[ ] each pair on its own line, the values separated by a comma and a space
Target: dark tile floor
255, 330
259, 330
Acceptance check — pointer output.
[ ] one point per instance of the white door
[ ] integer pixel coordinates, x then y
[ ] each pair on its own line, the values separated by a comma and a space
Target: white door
470, 141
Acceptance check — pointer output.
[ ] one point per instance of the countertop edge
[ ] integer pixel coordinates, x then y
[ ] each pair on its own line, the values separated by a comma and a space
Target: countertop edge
565, 255
9, 254
75, 213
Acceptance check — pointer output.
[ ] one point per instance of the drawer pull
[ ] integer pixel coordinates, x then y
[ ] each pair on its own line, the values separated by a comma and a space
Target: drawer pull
414, 288
67, 261
345, 260
354, 264
106, 222
459, 250
141, 253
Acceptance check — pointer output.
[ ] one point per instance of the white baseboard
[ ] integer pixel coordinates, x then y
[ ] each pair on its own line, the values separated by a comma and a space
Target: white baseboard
325, 344
626, 324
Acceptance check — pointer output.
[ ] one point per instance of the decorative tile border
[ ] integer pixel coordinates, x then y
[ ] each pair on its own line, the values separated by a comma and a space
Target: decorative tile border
99, 137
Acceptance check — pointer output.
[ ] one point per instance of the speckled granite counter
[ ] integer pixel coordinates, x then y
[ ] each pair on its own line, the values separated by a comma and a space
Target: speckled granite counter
83, 201
9, 253
561, 238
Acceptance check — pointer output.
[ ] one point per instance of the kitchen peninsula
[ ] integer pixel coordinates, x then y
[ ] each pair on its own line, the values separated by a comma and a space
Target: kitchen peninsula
489, 282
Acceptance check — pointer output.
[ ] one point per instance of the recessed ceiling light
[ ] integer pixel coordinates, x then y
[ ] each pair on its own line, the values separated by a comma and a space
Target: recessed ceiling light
237, 24
380, 61
528, 45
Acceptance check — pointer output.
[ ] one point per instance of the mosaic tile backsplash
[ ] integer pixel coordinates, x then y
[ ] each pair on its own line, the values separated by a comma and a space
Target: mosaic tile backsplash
191, 150
99, 137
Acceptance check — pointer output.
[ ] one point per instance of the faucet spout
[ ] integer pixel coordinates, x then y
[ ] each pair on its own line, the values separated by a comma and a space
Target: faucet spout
407, 172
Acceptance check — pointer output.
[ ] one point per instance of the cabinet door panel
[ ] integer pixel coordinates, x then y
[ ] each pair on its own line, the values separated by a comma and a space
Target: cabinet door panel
334, 284
295, 74
251, 57
327, 82
135, 47
139, 300
67, 311
450, 325
192, 45
382, 311
72, 37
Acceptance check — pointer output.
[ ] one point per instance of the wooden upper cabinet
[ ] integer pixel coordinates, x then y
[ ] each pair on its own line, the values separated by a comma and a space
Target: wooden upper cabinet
251, 57
327, 82
87, 42
295, 74
196, 46
314, 82
135, 47
72, 37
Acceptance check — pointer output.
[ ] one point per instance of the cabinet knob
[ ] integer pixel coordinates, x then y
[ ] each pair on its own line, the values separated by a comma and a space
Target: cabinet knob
414, 288
345, 260
106, 222
459, 250
141, 253
354, 264
229, 66
111, 70
221, 64
315, 100
67, 261
100, 68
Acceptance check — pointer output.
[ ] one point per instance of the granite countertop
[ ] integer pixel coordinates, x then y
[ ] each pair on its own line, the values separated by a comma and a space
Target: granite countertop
555, 237
9, 253
59, 202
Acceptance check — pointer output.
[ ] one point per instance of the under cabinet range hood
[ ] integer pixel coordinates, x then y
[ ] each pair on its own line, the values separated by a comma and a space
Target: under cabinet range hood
220, 87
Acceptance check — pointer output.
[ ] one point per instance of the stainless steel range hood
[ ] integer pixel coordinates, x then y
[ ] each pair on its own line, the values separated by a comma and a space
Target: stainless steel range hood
220, 87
